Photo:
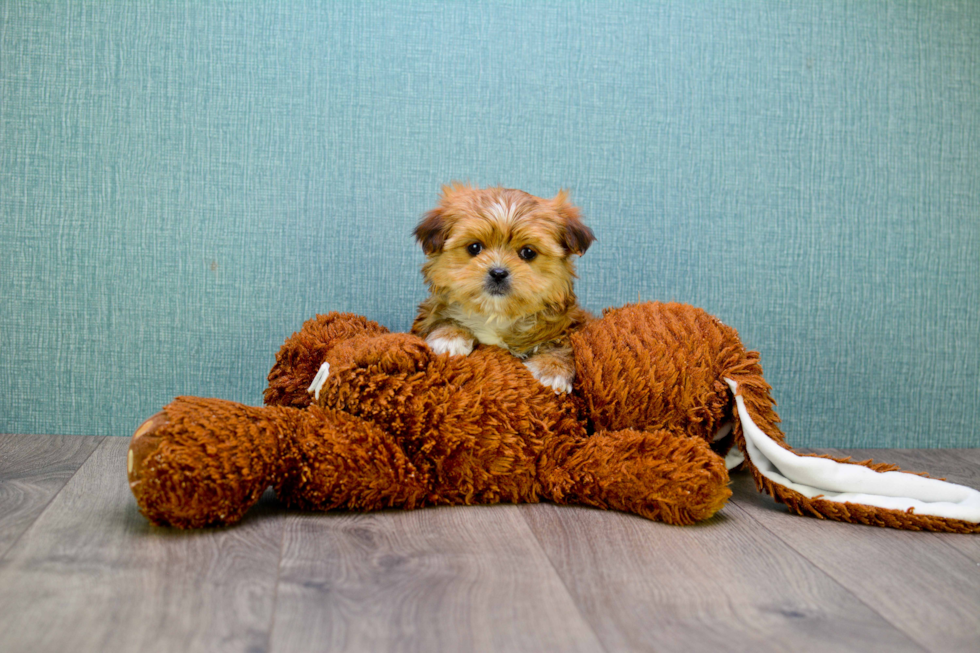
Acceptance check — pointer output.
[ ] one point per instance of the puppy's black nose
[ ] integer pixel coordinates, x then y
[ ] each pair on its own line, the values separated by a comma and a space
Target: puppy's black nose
498, 274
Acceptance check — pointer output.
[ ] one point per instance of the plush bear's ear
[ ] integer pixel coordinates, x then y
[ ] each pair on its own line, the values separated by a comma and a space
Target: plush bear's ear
575, 236
431, 232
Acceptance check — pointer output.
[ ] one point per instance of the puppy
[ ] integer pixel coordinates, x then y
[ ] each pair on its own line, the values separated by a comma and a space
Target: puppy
499, 266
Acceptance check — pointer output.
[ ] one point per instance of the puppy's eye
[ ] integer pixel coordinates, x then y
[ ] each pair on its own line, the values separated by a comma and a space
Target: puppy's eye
474, 248
527, 254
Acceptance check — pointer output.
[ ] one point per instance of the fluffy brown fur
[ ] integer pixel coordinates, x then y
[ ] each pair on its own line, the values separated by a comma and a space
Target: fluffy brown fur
396, 425
499, 267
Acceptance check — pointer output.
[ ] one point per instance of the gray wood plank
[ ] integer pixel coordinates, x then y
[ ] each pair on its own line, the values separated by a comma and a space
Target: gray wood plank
92, 575
441, 579
726, 584
33, 468
88, 573
925, 588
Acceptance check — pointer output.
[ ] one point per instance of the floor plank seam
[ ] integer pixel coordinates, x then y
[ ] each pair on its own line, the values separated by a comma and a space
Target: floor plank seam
275, 589
823, 571
568, 590
14, 543
949, 547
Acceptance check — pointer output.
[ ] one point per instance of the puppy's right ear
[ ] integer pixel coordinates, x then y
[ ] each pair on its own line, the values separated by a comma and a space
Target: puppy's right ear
431, 232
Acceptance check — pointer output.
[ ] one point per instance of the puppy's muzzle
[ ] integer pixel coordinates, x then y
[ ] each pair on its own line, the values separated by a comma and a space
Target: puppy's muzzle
498, 281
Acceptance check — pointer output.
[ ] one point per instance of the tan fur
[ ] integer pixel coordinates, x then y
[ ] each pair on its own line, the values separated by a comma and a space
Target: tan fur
538, 311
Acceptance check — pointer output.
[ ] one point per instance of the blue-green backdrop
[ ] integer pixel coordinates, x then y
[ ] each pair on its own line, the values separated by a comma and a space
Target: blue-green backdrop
183, 183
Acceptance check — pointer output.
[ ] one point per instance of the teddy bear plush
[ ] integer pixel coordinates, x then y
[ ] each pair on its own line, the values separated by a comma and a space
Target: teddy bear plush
358, 418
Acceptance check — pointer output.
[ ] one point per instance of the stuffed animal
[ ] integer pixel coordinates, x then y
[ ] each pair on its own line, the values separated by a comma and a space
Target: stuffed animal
358, 418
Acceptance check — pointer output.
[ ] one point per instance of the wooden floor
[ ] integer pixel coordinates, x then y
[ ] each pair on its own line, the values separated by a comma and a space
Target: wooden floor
81, 570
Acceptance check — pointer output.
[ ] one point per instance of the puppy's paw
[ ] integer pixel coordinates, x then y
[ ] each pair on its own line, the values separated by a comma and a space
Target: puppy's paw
452, 344
551, 375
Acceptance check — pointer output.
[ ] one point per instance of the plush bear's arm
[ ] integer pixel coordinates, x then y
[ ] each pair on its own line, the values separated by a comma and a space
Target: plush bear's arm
662, 475
301, 356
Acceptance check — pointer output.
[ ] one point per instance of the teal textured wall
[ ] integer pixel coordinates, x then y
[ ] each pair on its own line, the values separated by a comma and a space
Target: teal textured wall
182, 184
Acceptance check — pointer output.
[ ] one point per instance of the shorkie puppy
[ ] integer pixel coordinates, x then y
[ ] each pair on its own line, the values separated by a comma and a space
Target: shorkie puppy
500, 270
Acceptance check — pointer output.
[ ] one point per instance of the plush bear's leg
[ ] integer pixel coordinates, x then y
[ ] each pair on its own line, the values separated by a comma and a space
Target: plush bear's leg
662, 475
203, 462
336, 460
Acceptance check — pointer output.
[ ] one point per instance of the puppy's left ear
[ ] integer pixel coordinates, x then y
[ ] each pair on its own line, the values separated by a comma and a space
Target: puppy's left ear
575, 236
431, 232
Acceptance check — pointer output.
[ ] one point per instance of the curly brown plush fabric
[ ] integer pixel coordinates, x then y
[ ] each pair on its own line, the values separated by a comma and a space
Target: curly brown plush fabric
396, 425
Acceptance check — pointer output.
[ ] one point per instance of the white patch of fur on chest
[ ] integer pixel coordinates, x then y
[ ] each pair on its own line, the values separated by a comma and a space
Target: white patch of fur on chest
488, 330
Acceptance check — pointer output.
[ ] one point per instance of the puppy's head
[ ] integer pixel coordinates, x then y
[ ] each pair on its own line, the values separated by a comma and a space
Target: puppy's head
498, 251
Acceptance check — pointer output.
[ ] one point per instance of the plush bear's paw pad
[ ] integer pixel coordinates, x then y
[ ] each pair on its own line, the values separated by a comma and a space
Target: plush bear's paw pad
319, 380
145, 441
